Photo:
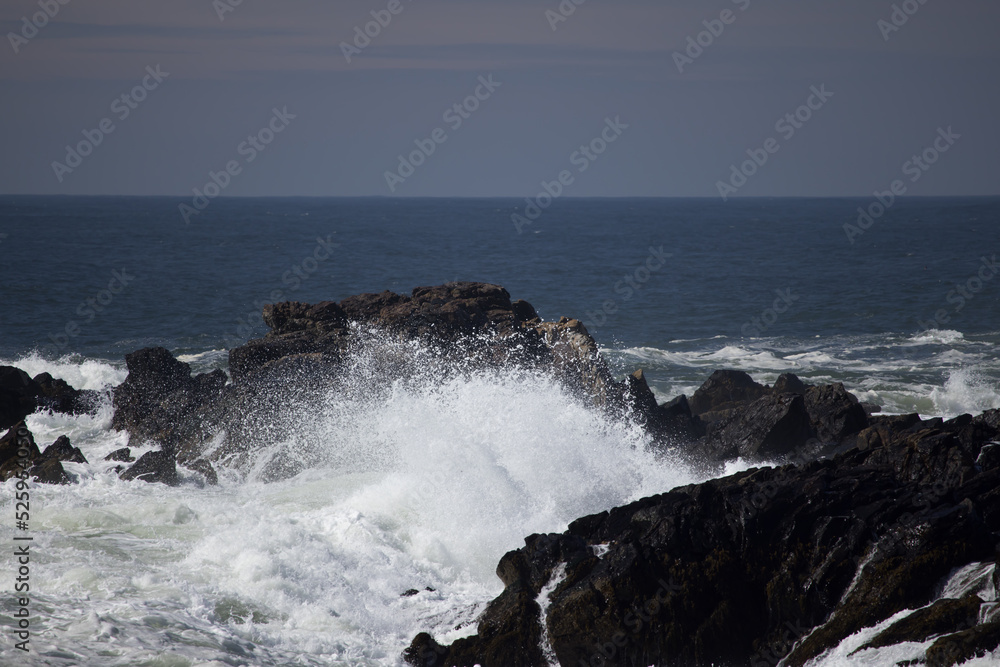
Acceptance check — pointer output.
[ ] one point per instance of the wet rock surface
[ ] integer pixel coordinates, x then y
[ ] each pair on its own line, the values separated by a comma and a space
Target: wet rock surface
769, 564
21, 458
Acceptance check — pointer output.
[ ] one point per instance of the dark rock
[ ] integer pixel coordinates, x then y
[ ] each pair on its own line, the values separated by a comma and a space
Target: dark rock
293, 316
675, 421
942, 617
724, 391
124, 455
153, 374
835, 413
989, 456
871, 408
641, 401
160, 402
425, 652
524, 311
41, 467
205, 469
409, 593
63, 450
50, 471
954, 649
57, 395
18, 438
153, 467
766, 429
765, 565
18, 396
788, 383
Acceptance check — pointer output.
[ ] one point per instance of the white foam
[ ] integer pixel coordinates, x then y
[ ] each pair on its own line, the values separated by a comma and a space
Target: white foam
424, 482
79, 372
965, 390
940, 336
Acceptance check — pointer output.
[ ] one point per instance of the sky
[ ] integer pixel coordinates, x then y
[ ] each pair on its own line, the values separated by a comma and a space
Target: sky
623, 98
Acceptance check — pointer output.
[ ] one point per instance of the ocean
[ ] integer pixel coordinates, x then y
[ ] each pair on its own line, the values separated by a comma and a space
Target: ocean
428, 486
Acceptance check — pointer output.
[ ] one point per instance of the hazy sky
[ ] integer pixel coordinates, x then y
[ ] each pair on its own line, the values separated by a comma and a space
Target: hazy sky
555, 85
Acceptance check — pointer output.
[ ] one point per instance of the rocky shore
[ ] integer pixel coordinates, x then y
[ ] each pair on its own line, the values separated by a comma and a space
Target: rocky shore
853, 518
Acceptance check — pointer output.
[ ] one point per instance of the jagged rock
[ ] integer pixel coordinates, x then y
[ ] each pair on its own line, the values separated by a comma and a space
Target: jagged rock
942, 617
577, 362
45, 467
153, 374
205, 469
57, 395
766, 429
954, 649
789, 383
63, 450
18, 396
771, 564
161, 402
50, 471
723, 392
989, 456
641, 400
675, 421
16, 439
123, 455
871, 408
153, 467
835, 413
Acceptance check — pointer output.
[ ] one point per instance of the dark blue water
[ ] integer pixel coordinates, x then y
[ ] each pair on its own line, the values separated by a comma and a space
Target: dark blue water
429, 485
199, 287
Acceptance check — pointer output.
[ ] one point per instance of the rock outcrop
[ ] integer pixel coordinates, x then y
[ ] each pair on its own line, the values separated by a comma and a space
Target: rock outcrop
454, 326
741, 418
769, 564
18, 396
20, 456
21, 395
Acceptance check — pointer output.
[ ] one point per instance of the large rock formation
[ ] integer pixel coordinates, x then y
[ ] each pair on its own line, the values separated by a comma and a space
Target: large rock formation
768, 564
442, 330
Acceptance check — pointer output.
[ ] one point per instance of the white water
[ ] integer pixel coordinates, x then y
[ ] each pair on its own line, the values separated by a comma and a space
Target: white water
424, 489
424, 486
973, 578
934, 373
